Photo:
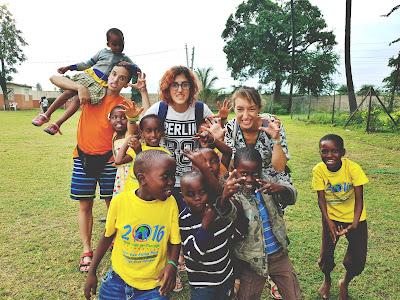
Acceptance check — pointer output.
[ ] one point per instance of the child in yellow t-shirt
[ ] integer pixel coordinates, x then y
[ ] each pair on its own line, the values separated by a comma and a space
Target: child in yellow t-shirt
145, 225
339, 184
151, 130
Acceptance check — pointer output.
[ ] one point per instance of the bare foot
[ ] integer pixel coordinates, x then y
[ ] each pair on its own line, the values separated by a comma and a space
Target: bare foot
343, 290
324, 290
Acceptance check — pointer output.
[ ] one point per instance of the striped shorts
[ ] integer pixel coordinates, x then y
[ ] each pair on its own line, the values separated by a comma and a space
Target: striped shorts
84, 187
96, 90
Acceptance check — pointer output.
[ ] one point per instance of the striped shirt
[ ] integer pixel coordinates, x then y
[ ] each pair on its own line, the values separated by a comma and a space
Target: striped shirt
271, 243
207, 254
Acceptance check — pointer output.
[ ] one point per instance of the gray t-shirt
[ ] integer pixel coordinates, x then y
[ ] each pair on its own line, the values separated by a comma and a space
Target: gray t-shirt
179, 130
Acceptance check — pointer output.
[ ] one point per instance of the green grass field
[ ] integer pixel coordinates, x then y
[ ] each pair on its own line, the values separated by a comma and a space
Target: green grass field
40, 243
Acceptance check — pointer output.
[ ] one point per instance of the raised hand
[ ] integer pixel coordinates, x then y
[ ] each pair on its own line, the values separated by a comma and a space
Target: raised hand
269, 187
273, 128
215, 128
224, 110
231, 187
196, 157
130, 109
141, 82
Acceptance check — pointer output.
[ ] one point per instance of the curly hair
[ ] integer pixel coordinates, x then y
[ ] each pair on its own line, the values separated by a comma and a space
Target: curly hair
170, 76
248, 93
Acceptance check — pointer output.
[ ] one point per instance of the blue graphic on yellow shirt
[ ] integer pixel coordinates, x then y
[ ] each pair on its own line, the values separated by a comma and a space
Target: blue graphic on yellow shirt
142, 242
338, 193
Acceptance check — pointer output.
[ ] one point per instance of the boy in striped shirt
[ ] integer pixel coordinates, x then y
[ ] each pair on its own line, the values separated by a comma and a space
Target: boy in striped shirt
207, 239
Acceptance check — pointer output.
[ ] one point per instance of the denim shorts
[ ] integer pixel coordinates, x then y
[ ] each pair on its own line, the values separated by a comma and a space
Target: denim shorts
113, 287
220, 292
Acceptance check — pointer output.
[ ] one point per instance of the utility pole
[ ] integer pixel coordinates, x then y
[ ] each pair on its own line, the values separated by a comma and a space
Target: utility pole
191, 67
187, 56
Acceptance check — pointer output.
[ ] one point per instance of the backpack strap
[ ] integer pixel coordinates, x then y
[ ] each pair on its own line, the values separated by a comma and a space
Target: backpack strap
199, 113
162, 110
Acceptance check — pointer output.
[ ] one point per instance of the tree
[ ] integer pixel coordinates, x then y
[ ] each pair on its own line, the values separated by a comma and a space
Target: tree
317, 68
392, 81
38, 87
207, 92
11, 54
365, 88
349, 76
258, 39
342, 90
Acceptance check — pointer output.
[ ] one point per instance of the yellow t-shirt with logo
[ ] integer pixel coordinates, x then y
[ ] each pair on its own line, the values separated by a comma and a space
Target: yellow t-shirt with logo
131, 182
339, 189
143, 230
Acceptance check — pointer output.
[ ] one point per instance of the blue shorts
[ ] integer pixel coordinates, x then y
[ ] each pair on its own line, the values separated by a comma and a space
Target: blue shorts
84, 187
114, 287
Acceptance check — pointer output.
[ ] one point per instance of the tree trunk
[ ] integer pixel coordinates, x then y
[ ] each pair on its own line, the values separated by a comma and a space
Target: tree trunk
277, 91
349, 77
290, 104
395, 83
3, 85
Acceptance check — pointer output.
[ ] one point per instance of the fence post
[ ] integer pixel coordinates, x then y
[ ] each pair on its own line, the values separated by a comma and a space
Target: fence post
309, 105
369, 108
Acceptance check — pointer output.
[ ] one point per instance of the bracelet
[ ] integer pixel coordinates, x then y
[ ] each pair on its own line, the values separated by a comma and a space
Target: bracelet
223, 119
213, 140
171, 262
277, 143
132, 119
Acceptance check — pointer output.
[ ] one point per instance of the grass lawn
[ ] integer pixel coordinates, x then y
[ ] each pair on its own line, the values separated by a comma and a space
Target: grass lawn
40, 243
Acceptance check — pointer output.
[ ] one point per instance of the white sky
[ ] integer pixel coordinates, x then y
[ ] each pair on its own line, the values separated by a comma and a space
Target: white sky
61, 33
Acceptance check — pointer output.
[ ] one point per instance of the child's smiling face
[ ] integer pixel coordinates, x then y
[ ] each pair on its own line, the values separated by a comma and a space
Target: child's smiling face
160, 180
331, 154
118, 120
152, 131
194, 193
251, 171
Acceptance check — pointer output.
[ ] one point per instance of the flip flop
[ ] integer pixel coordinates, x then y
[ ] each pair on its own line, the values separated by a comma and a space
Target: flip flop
178, 283
37, 122
85, 264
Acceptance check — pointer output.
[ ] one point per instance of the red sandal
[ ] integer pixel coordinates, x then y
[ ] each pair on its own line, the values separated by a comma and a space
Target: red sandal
85, 264
37, 122
51, 130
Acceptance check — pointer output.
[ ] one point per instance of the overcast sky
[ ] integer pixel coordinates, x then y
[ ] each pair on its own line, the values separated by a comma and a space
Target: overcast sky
61, 33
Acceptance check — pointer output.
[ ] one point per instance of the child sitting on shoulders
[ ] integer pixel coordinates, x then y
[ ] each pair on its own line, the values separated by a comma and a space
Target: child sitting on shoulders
144, 223
207, 241
94, 80
151, 131
262, 252
339, 184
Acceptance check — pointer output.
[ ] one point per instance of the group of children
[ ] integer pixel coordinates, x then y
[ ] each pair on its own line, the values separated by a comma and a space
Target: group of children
232, 225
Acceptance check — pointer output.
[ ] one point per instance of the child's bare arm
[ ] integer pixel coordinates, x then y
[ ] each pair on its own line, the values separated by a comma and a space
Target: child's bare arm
132, 112
141, 86
91, 280
226, 152
168, 274
358, 207
62, 70
324, 211
122, 157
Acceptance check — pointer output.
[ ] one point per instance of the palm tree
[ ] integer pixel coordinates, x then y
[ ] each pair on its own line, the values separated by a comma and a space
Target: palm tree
207, 92
349, 76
